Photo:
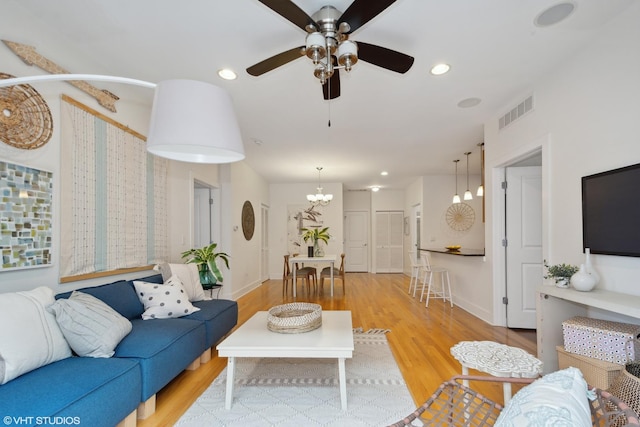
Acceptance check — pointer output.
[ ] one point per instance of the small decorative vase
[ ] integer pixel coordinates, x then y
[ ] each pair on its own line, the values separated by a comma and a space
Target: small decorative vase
310, 251
207, 278
317, 249
589, 267
562, 282
583, 281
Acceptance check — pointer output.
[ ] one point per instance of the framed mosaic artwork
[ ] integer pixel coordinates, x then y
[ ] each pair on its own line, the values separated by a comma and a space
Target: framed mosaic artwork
26, 216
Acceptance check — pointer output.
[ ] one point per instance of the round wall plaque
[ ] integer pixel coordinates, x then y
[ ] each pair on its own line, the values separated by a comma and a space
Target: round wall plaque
248, 220
460, 216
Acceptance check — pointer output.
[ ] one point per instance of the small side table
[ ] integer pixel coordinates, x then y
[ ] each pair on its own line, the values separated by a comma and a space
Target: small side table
211, 288
498, 360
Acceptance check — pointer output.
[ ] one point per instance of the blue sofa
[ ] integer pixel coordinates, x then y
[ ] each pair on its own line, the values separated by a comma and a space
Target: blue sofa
104, 392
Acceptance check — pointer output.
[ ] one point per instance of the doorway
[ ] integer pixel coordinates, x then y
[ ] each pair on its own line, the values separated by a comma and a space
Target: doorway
522, 240
206, 223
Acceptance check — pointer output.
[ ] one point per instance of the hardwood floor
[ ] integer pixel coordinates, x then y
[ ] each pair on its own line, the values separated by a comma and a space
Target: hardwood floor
420, 337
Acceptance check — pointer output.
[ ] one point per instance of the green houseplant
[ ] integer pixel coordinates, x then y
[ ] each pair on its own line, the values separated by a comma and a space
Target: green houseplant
561, 273
205, 258
315, 235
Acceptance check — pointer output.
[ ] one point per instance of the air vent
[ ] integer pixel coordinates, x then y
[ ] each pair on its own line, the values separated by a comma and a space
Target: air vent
518, 111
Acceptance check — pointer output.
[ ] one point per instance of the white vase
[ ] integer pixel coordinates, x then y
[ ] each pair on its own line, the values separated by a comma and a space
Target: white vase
588, 266
562, 282
583, 281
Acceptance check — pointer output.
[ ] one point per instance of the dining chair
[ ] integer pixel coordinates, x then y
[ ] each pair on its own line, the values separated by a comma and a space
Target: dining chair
287, 276
444, 292
337, 274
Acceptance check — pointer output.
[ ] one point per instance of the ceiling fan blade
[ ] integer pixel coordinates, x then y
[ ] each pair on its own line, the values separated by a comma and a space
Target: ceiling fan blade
362, 11
289, 11
385, 58
331, 89
275, 61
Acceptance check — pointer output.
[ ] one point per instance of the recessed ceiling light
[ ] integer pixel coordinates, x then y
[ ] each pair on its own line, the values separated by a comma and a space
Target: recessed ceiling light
375, 188
227, 74
554, 14
469, 102
384, 173
256, 141
440, 69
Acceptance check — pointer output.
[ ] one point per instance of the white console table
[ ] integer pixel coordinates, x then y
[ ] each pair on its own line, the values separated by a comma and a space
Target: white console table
555, 305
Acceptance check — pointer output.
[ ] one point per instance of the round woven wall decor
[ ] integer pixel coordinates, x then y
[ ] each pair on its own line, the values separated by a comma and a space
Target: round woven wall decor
25, 118
460, 216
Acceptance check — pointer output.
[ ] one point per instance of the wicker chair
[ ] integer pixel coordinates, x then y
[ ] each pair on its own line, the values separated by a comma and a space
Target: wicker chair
453, 404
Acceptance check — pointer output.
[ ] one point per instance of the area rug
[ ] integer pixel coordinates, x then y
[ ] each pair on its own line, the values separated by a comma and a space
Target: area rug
305, 392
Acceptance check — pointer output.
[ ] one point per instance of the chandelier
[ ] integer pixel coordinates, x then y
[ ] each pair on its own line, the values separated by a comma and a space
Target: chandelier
321, 46
319, 199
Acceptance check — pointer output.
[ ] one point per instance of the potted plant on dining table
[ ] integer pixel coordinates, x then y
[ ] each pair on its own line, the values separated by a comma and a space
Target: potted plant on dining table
205, 258
316, 234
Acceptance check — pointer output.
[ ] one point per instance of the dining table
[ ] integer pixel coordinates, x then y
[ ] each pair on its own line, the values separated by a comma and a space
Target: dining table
330, 259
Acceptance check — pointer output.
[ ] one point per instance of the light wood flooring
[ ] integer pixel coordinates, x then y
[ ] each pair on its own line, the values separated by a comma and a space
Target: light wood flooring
420, 337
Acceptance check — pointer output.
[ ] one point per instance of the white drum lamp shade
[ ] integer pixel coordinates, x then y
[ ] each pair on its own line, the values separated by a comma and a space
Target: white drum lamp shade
193, 121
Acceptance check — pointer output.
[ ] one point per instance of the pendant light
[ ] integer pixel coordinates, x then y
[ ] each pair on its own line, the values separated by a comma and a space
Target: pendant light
467, 194
456, 197
480, 192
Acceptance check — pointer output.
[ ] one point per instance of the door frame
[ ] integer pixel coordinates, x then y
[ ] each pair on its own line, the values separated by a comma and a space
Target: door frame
498, 216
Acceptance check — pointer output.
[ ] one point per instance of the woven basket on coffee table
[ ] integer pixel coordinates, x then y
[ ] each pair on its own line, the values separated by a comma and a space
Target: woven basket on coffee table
294, 318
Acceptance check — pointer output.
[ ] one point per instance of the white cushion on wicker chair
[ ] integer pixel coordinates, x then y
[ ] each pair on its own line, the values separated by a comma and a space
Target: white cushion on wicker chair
557, 399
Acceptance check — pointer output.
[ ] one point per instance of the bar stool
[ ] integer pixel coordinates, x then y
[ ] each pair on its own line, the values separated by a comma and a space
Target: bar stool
444, 293
416, 266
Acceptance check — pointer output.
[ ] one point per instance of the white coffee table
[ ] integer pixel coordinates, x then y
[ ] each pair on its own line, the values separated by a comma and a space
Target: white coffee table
334, 339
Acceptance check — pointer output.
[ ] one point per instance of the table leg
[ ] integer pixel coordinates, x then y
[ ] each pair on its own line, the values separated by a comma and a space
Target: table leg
231, 368
332, 278
295, 280
506, 389
342, 381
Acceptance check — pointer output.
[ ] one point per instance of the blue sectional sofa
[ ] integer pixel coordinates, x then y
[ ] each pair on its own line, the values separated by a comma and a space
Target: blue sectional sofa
106, 391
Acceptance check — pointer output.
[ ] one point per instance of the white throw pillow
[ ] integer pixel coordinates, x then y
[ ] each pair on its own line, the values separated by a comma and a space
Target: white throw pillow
29, 335
188, 275
557, 399
164, 301
92, 328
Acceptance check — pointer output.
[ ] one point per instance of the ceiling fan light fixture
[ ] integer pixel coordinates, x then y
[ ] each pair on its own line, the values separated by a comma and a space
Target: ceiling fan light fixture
316, 47
347, 54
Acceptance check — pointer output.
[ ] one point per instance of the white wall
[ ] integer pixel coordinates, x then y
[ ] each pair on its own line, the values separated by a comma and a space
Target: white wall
586, 121
245, 254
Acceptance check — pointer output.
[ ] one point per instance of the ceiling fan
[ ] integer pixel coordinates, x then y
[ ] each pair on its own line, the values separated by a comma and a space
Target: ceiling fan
328, 45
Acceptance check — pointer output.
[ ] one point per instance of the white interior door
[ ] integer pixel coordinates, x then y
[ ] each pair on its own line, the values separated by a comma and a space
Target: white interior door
389, 241
524, 244
356, 234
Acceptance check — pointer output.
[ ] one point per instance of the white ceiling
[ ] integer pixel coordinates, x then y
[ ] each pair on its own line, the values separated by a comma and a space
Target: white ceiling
407, 124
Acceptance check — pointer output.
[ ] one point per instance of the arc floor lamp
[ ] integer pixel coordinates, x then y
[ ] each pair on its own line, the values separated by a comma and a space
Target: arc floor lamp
191, 121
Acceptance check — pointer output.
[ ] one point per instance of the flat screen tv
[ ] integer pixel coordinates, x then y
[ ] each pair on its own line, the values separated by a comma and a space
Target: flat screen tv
611, 212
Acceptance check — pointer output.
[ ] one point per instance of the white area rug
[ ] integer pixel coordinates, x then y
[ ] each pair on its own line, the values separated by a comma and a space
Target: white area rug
304, 392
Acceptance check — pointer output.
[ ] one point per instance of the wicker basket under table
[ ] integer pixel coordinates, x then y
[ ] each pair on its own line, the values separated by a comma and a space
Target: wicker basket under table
453, 404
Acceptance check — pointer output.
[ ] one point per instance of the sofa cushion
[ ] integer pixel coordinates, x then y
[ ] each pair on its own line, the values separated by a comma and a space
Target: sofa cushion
91, 392
557, 399
90, 326
29, 335
219, 317
188, 274
169, 300
164, 348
